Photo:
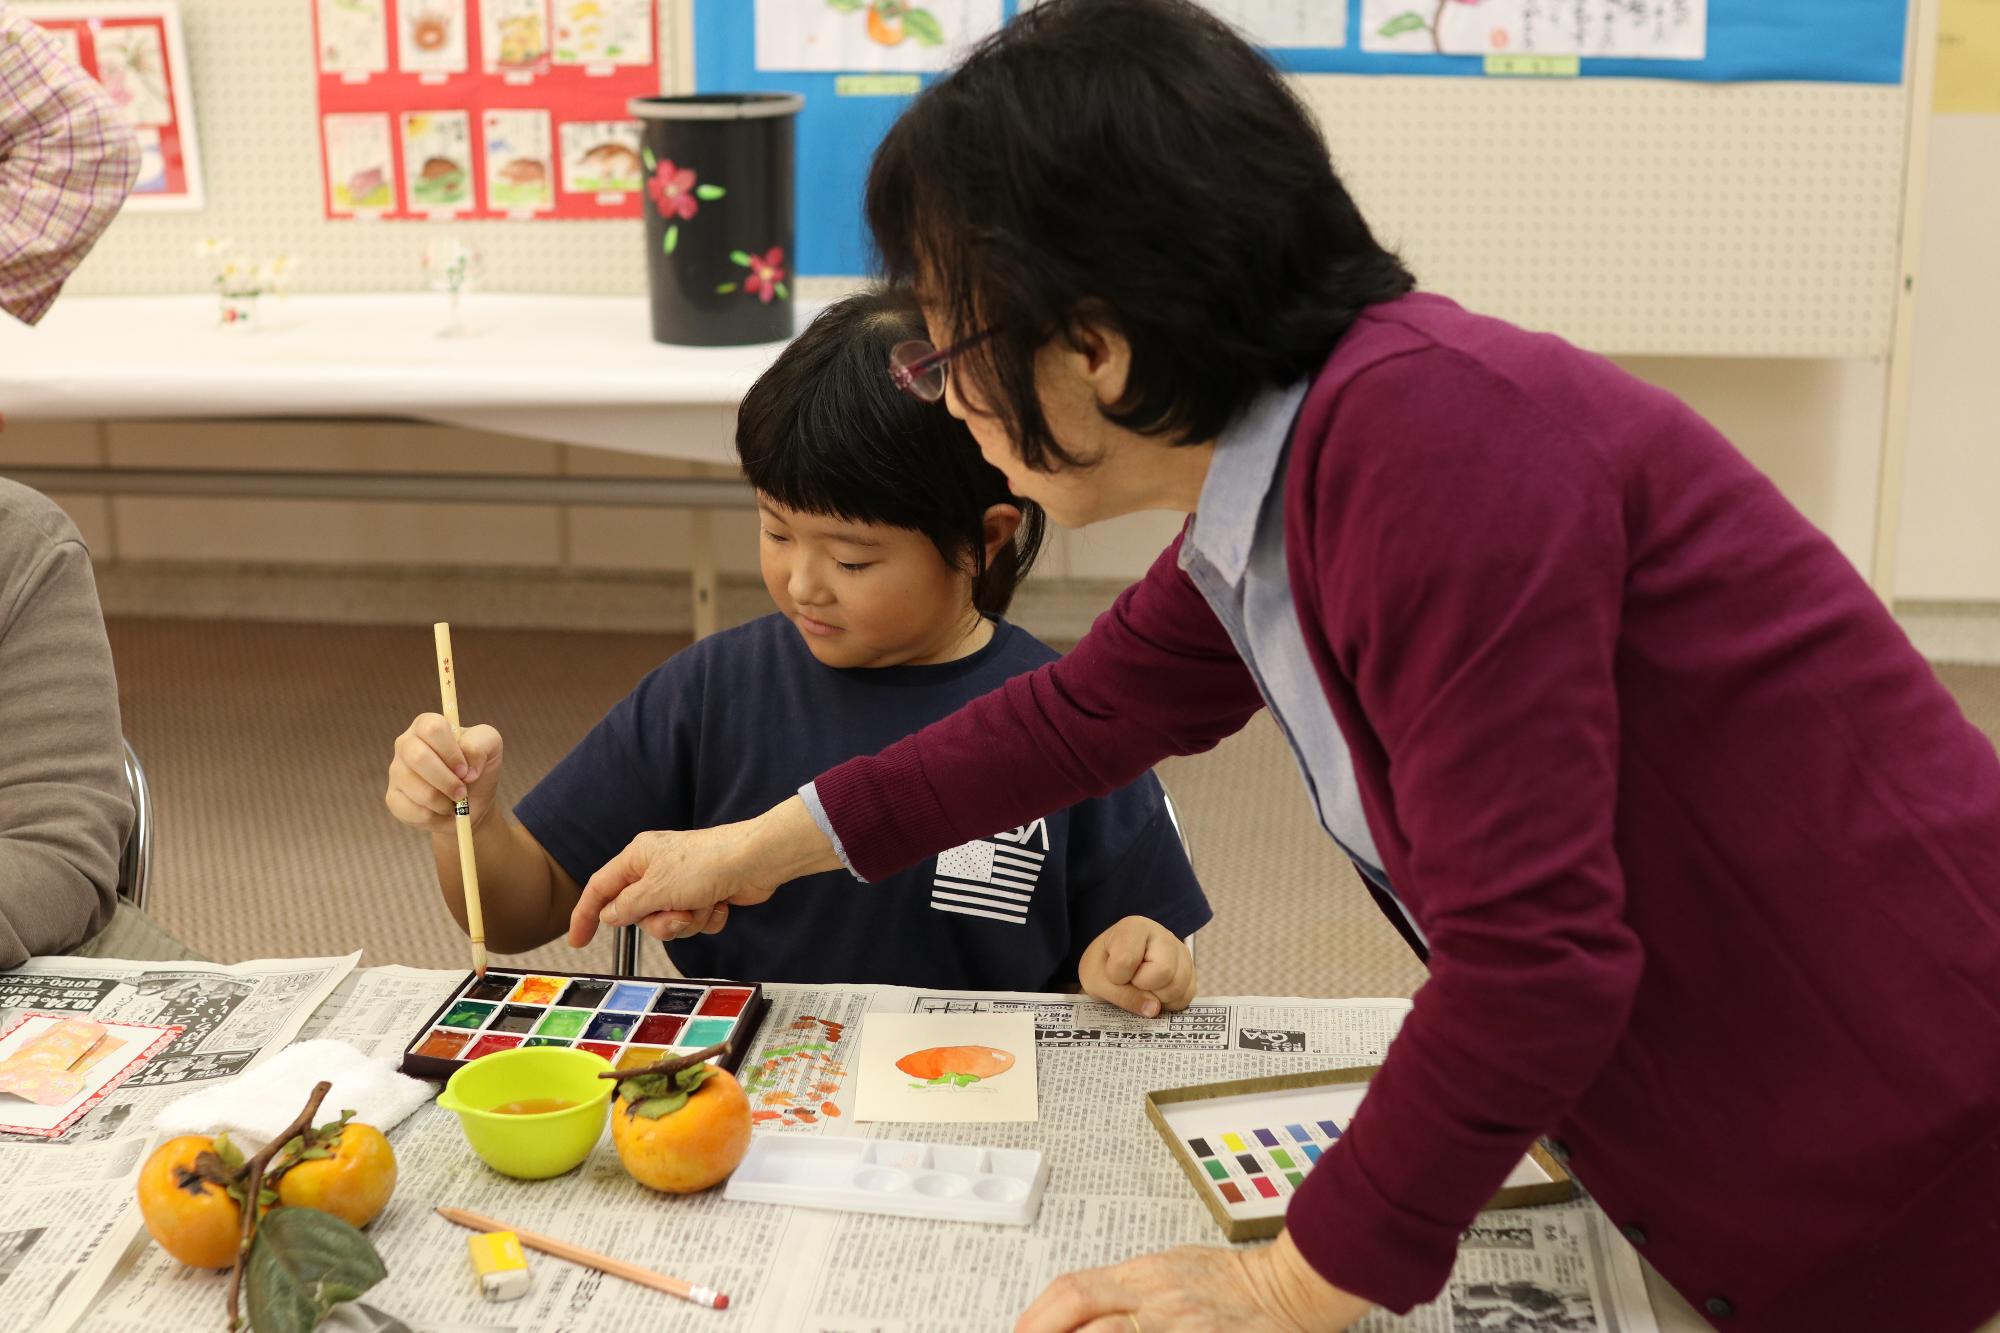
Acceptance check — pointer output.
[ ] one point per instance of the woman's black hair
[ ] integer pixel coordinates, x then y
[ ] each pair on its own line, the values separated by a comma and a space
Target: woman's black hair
1137, 164
824, 431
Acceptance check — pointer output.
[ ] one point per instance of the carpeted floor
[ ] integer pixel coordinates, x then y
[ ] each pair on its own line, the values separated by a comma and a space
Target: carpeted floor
267, 747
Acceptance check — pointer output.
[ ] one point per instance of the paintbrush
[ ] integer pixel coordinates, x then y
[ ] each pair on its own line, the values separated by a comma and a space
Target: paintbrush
603, 1263
468, 873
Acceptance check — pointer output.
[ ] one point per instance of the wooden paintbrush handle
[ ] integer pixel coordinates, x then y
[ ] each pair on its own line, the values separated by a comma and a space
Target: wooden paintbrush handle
468, 871
603, 1263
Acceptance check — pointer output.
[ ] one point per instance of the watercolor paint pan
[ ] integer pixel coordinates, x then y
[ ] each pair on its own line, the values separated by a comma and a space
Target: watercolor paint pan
1249, 1144
630, 1021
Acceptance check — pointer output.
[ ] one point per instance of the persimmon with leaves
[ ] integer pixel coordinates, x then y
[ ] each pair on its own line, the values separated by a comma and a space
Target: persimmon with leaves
301, 1261
682, 1126
348, 1170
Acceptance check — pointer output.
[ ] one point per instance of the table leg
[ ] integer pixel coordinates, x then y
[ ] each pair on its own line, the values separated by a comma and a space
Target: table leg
702, 538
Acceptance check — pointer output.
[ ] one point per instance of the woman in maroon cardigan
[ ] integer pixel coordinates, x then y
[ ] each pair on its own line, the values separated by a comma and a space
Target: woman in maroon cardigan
1705, 862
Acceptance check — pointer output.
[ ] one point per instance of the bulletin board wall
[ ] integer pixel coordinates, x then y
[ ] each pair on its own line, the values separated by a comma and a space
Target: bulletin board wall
251, 67
1665, 216
1846, 41
1653, 206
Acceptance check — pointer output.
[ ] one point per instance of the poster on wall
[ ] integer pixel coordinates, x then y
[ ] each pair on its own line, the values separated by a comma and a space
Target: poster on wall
1635, 29
439, 109
870, 35
135, 51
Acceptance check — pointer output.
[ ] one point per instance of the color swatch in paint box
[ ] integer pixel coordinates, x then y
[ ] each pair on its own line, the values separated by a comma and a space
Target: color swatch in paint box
1249, 1145
630, 1021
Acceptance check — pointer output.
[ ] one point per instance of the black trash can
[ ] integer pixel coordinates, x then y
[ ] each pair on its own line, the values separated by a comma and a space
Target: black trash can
719, 216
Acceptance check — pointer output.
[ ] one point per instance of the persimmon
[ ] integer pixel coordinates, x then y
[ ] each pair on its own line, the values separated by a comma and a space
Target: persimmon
681, 1131
187, 1209
353, 1179
886, 27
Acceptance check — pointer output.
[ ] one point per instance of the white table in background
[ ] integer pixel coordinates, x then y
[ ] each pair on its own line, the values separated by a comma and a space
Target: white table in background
563, 369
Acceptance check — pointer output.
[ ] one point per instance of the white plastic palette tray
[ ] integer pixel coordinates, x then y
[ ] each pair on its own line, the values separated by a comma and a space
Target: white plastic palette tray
906, 1179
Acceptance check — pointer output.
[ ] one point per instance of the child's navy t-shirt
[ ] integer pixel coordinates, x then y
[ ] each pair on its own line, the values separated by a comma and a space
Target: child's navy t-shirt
737, 723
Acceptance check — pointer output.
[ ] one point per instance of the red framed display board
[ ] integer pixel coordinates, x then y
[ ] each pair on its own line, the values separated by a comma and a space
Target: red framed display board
134, 50
483, 108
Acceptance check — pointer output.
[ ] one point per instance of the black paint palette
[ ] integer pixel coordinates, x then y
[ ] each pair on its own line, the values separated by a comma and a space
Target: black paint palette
630, 1021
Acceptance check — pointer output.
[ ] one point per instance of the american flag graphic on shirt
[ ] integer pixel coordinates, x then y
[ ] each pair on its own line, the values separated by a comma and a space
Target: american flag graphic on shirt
992, 877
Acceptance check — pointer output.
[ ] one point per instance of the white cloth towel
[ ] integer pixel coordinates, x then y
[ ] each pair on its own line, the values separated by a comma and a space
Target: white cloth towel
259, 1102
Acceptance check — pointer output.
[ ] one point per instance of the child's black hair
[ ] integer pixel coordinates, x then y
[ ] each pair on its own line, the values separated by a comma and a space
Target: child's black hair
824, 431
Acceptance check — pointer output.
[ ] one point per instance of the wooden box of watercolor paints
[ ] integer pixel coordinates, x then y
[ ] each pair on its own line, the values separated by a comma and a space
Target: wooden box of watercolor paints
630, 1021
1250, 1143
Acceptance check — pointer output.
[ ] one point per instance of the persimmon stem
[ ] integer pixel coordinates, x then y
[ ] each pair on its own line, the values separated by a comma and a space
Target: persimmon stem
673, 1066
253, 1189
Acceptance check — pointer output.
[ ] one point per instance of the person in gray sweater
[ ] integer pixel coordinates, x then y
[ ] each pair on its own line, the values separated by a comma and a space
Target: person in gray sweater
64, 805
65, 808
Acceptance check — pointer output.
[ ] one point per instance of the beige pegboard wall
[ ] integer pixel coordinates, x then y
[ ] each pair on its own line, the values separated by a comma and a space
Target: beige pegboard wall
1634, 216
255, 100
1638, 216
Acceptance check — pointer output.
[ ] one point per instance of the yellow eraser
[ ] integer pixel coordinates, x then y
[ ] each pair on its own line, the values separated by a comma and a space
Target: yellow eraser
500, 1263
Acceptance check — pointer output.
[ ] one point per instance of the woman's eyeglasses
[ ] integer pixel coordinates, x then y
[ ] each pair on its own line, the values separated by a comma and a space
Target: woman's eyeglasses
917, 367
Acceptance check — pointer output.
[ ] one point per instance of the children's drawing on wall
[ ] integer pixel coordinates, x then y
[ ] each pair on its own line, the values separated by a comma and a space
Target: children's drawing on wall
865, 35
132, 66
947, 1066
360, 165
430, 36
514, 36
603, 32
437, 154
601, 157
1640, 29
353, 37
518, 175
1283, 23
71, 44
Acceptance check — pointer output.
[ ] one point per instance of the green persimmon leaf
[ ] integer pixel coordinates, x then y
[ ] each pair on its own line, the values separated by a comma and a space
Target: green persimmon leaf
652, 1108
304, 1262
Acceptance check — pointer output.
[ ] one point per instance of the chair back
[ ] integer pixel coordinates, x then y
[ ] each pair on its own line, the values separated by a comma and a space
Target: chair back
135, 864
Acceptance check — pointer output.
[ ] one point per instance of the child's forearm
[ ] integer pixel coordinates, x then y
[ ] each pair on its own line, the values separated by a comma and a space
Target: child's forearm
519, 886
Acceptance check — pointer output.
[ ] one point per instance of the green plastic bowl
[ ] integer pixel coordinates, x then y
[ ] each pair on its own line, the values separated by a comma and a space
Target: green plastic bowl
531, 1147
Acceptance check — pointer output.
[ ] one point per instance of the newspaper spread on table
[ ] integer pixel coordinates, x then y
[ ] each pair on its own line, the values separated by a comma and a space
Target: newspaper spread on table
65, 1218
1114, 1192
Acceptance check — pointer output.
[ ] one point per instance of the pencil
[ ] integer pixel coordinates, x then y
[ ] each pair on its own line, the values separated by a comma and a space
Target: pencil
603, 1263
468, 873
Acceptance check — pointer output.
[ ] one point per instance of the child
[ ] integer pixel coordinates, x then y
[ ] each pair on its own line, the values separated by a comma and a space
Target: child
891, 549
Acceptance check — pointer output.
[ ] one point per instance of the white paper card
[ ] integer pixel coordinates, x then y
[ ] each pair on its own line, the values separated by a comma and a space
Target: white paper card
947, 1067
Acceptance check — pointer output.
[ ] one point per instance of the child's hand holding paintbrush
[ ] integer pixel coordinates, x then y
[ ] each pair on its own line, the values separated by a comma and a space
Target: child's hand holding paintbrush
524, 897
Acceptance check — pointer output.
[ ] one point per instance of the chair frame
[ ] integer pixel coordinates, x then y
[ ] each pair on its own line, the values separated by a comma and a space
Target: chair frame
135, 862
